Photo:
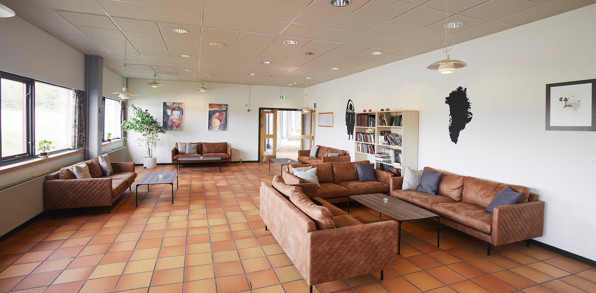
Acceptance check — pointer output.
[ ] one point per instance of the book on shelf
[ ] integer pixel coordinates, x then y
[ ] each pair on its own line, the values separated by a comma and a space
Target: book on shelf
365, 148
391, 169
396, 120
394, 139
397, 156
382, 120
366, 120
365, 137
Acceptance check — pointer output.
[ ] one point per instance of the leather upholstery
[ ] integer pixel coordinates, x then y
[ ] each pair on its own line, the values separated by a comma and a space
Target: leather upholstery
129, 177
344, 172
320, 214
481, 192
345, 221
357, 187
94, 168
215, 147
118, 187
223, 156
66, 174
451, 185
332, 190
468, 214
421, 199
279, 184
322, 152
516, 222
324, 171
335, 211
206, 149
176, 157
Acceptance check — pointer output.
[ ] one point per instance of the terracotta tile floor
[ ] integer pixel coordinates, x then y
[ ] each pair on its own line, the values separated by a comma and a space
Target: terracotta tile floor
213, 240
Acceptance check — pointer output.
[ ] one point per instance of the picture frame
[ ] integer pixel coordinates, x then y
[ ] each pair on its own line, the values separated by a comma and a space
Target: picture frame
173, 116
218, 117
571, 106
325, 119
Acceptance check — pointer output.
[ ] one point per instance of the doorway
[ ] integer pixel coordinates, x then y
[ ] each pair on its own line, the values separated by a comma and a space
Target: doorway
282, 133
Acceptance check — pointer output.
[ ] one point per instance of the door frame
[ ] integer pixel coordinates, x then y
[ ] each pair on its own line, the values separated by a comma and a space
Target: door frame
259, 125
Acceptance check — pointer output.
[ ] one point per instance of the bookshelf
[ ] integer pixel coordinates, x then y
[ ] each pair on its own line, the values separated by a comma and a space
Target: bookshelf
390, 139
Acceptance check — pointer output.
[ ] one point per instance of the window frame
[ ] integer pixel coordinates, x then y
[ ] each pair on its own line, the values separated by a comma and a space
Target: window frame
33, 119
103, 127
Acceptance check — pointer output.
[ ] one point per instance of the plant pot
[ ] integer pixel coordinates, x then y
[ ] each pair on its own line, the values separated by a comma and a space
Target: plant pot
109, 140
43, 155
149, 163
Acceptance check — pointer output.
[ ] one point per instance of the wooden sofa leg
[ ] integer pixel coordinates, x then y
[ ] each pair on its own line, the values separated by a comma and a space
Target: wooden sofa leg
488, 250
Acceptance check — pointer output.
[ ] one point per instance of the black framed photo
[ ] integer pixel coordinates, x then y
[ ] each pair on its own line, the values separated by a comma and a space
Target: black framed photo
571, 105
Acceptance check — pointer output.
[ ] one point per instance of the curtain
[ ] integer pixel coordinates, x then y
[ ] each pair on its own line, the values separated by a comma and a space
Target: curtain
78, 122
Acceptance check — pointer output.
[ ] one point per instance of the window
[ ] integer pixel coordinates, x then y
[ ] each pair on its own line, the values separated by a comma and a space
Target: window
112, 120
53, 115
14, 112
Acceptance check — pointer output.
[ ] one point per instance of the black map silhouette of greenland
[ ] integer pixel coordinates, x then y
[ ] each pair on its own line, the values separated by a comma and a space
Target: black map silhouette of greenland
459, 112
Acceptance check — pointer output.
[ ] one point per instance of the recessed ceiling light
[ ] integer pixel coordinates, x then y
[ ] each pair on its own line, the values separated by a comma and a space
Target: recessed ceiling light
185, 56
266, 62
334, 68
209, 74
308, 77
290, 42
217, 45
252, 73
188, 70
295, 82
290, 84
454, 24
376, 53
241, 81
180, 31
340, 3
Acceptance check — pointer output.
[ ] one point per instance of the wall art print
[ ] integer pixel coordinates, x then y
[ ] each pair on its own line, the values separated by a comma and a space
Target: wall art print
173, 116
459, 112
218, 117
350, 119
571, 105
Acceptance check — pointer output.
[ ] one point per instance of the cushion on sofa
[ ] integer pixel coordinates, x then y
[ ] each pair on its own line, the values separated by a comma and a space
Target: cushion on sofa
429, 182
411, 179
81, 171
421, 199
346, 171
106, 166
319, 214
118, 187
313, 151
332, 154
94, 168
366, 172
309, 160
178, 156
215, 147
223, 156
181, 147
467, 214
481, 192
332, 190
345, 221
504, 197
451, 185
309, 176
322, 152
66, 173
129, 177
357, 187
335, 211
279, 184
324, 171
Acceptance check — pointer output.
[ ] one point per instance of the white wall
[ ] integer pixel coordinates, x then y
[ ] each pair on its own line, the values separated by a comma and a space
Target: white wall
112, 82
243, 126
28, 51
506, 140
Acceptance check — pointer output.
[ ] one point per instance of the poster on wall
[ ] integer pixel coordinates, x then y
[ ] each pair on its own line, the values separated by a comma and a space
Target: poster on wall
459, 112
571, 105
218, 117
173, 116
350, 118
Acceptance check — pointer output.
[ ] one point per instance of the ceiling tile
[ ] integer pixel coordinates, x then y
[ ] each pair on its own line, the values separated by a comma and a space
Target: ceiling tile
381, 42
483, 29
264, 9
143, 37
319, 33
336, 21
318, 48
228, 76
83, 43
45, 18
406, 33
185, 4
83, 6
152, 12
102, 33
88, 20
497, 8
242, 23
543, 10
327, 8
453, 6
419, 17
383, 10
139, 26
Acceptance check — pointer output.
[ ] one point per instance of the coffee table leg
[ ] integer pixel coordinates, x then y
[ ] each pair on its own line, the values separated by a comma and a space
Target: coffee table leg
399, 238
438, 229
172, 185
137, 195
219, 165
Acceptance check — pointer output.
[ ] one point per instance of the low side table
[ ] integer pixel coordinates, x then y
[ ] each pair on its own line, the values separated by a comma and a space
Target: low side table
282, 162
190, 160
155, 178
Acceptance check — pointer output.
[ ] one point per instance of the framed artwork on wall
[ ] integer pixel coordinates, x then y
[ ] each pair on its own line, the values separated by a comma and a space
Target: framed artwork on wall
173, 116
326, 119
218, 117
571, 105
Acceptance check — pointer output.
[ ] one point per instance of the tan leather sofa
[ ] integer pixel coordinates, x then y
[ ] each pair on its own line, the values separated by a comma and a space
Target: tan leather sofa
206, 149
339, 180
342, 248
63, 191
461, 201
322, 156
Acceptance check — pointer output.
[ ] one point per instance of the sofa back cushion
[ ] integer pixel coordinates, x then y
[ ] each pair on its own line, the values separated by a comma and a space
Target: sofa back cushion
215, 147
280, 185
94, 168
322, 152
66, 173
324, 171
319, 214
332, 150
451, 185
346, 171
481, 192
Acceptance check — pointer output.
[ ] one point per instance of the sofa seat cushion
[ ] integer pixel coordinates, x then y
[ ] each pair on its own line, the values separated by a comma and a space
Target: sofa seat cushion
223, 156
129, 177
345, 221
331, 190
421, 199
215, 147
467, 214
309, 160
335, 211
357, 187
178, 156
118, 187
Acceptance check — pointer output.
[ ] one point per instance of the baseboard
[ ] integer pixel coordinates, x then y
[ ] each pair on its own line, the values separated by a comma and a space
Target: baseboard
22, 226
564, 252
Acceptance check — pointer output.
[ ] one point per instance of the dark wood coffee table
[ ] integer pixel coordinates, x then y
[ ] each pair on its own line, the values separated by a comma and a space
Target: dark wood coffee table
397, 209
195, 160
282, 162
155, 178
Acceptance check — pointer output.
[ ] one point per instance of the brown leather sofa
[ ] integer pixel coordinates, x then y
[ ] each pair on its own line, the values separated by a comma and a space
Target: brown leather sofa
206, 149
339, 180
322, 152
461, 201
62, 191
324, 243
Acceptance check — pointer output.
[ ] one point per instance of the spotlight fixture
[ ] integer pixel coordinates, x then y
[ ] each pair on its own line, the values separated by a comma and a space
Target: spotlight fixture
188, 70
180, 31
334, 68
185, 56
340, 3
454, 24
376, 53
6, 12
266, 62
154, 84
252, 74
202, 88
290, 42
448, 65
308, 77
209, 74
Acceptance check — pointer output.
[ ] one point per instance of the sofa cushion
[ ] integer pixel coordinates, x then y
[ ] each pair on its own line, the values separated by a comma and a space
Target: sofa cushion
324, 171
411, 179
322, 151
504, 197
357, 187
106, 166
481, 192
129, 177
94, 168
118, 187
332, 190
429, 182
467, 214
320, 214
346, 171
313, 151
309, 160
345, 221
281, 186
451, 185
176, 157
182, 147
215, 147
81, 171
223, 156
421, 199
66, 173
335, 211
332, 154
366, 172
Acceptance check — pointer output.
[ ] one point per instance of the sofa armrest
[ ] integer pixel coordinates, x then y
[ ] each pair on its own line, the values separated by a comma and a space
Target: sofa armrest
357, 250
77, 193
291, 179
230, 153
383, 176
517, 222
123, 167
336, 159
309, 189
303, 153
396, 183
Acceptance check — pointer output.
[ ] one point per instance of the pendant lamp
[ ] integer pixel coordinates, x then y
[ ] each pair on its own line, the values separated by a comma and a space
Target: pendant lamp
154, 84
6, 12
447, 65
125, 94
306, 108
202, 88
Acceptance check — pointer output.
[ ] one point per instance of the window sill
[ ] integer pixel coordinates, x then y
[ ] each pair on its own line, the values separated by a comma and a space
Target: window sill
111, 142
37, 161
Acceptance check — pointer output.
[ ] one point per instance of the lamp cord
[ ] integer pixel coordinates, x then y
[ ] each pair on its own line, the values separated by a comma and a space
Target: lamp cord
447, 48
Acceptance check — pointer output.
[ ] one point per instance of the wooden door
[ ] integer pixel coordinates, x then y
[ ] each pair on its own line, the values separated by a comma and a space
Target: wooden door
306, 137
268, 129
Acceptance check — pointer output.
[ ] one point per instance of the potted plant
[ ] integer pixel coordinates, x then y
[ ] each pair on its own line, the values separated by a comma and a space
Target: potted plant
44, 147
109, 134
149, 129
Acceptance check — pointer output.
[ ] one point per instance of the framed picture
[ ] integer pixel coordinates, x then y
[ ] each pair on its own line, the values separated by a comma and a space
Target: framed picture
571, 105
326, 119
173, 116
218, 117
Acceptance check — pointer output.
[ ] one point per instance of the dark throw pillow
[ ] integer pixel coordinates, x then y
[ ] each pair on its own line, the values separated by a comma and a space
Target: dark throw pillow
429, 183
366, 172
504, 197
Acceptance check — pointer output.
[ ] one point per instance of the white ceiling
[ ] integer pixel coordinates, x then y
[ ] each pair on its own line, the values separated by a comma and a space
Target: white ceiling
254, 31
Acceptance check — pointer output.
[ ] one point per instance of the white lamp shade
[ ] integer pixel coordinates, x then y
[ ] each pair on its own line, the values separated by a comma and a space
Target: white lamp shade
446, 68
124, 94
6, 12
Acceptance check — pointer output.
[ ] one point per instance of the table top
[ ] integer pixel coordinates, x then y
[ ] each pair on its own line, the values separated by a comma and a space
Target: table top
190, 159
153, 178
283, 161
395, 208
